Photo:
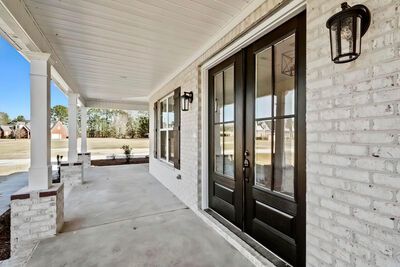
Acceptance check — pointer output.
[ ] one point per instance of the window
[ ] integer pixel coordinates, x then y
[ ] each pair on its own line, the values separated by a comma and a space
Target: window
167, 128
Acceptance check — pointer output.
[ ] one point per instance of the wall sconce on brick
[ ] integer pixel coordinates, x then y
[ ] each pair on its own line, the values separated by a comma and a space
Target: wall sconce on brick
346, 29
187, 98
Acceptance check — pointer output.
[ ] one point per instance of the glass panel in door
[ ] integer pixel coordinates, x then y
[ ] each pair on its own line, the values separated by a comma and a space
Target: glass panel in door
224, 123
284, 119
284, 77
263, 114
275, 117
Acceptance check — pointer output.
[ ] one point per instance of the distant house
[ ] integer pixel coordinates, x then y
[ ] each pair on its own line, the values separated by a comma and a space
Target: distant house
22, 130
6, 131
59, 131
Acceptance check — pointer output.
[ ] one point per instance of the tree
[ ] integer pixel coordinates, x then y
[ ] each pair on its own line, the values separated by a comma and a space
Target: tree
59, 113
130, 128
142, 126
138, 127
19, 118
4, 118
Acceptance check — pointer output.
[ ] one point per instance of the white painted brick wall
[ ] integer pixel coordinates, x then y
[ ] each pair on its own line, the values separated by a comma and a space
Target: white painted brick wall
353, 130
353, 152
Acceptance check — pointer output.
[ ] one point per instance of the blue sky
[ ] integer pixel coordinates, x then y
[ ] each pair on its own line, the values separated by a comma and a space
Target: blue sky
14, 83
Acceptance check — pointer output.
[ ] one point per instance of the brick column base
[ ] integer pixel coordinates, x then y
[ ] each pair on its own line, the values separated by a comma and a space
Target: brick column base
85, 158
36, 215
71, 173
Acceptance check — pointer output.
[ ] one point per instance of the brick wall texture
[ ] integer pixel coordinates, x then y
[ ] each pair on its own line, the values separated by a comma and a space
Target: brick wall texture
36, 217
71, 174
353, 135
353, 123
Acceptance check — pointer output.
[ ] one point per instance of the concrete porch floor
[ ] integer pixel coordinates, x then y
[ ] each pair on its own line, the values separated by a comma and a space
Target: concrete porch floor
122, 216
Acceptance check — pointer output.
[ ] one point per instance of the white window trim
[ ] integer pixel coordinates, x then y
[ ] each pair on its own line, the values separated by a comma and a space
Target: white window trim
167, 130
287, 12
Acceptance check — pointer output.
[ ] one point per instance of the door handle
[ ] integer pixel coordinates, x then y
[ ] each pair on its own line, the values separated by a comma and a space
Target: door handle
246, 166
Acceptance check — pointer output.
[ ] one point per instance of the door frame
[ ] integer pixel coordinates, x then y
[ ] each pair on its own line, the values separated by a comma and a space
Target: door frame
279, 17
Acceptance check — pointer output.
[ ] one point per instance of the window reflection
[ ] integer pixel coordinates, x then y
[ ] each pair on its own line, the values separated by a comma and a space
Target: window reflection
229, 105
284, 76
275, 117
263, 84
218, 97
263, 155
218, 148
224, 126
284, 156
229, 148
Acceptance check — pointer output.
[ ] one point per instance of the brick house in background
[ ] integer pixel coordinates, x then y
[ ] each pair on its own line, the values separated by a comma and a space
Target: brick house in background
22, 130
6, 131
59, 131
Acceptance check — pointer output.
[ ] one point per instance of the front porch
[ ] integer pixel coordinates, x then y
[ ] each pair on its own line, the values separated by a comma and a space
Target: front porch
250, 118
123, 216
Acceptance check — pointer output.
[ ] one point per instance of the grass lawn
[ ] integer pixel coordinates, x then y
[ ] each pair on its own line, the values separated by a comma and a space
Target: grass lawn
14, 154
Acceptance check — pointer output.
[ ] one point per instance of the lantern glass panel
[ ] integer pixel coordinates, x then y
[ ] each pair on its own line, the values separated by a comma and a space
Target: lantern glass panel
346, 36
358, 35
185, 103
334, 40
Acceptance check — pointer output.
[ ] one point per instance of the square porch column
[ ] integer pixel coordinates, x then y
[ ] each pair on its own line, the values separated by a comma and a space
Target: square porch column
40, 169
83, 130
37, 211
84, 156
72, 171
72, 127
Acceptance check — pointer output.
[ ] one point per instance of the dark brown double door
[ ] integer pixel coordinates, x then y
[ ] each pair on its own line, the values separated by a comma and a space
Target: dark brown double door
257, 140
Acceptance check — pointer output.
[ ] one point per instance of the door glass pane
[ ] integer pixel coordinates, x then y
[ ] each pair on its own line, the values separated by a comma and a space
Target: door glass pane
229, 105
218, 149
263, 84
164, 114
171, 117
218, 97
171, 145
285, 76
229, 149
163, 143
284, 156
263, 153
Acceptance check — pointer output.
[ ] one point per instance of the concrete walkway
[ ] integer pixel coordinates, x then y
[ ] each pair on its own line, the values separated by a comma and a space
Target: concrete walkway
10, 184
122, 216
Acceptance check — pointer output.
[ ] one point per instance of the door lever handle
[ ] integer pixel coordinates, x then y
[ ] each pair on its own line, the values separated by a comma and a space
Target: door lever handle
246, 165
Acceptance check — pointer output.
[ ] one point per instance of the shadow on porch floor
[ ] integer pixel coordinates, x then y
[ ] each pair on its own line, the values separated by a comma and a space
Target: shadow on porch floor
122, 216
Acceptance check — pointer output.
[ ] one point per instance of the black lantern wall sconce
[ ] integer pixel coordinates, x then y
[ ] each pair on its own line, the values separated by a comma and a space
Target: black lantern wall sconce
346, 29
187, 98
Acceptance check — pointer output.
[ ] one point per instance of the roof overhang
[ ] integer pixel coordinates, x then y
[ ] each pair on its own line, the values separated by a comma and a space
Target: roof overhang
25, 24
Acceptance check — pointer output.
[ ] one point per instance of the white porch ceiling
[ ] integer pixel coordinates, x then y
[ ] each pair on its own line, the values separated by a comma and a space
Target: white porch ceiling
122, 50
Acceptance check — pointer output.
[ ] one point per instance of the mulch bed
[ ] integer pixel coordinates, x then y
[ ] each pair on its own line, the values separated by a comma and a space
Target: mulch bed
110, 162
5, 235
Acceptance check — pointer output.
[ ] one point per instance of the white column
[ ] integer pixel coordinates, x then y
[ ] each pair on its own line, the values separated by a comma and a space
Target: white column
40, 169
83, 129
72, 123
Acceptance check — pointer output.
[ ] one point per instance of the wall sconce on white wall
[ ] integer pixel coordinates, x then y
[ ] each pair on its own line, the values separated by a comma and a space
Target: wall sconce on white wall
346, 29
187, 98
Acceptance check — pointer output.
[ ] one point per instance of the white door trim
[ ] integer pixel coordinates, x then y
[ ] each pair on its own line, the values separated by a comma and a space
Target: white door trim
287, 12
